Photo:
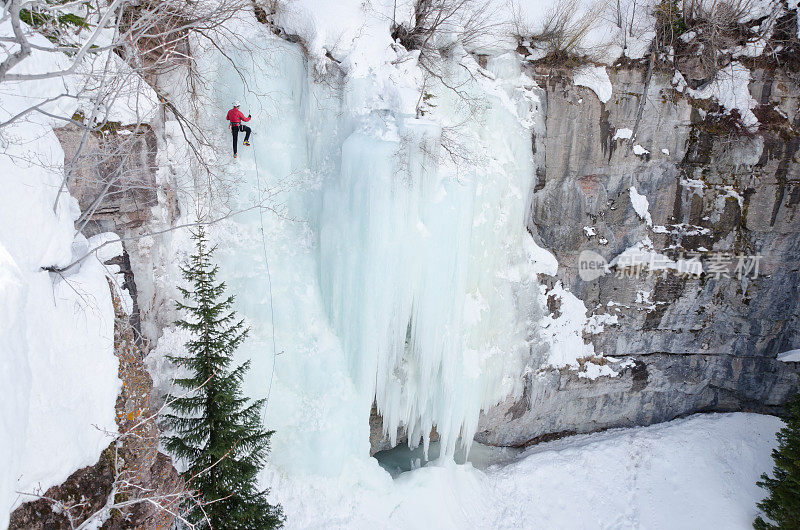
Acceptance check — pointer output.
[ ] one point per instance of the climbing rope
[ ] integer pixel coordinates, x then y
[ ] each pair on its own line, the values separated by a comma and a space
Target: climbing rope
269, 283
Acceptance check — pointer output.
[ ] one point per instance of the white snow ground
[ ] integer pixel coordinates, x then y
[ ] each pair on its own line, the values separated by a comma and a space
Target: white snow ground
58, 373
697, 472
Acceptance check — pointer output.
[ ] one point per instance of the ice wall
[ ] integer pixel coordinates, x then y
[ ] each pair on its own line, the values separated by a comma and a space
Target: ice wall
402, 271
320, 423
422, 263
424, 269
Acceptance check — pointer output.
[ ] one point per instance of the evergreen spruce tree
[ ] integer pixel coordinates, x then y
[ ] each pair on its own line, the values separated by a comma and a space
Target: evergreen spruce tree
212, 426
783, 504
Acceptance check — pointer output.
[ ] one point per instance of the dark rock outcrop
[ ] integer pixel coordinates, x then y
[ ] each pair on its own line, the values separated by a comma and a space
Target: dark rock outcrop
112, 175
704, 343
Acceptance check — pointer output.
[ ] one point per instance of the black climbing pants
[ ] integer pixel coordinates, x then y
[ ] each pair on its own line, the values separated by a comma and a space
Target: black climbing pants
235, 131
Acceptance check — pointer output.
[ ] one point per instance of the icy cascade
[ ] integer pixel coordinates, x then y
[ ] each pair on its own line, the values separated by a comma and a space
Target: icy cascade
399, 276
423, 266
320, 426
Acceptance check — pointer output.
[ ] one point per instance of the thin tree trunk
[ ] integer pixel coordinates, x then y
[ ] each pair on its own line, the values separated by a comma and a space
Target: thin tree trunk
642, 103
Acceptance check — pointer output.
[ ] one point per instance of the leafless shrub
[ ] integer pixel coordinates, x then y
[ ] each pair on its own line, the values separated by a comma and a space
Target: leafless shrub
722, 14
443, 31
466, 20
561, 39
438, 27
700, 33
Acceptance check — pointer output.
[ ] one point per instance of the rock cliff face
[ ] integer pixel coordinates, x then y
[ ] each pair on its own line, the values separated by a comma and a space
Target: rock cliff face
698, 343
113, 177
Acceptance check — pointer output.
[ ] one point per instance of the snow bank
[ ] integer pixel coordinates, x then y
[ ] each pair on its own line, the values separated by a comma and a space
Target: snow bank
697, 472
15, 376
59, 372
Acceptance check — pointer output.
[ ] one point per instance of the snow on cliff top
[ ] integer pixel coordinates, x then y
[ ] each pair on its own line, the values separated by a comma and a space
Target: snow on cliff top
594, 78
358, 31
339, 27
731, 88
345, 26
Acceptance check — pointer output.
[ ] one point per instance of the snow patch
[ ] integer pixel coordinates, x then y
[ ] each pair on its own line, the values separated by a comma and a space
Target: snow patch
791, 356
642, 255
641, 206
623, 134
563, 332
731, 89
106, 246
593, 370
542, 260
594, 78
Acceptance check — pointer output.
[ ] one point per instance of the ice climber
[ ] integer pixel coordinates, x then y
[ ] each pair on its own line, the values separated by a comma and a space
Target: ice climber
236, 117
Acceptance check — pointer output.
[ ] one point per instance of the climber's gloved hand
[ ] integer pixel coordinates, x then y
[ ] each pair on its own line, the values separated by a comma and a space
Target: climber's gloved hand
249, 116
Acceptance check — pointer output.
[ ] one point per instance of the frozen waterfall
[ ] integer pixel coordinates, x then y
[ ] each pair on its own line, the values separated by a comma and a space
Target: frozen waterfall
403, 272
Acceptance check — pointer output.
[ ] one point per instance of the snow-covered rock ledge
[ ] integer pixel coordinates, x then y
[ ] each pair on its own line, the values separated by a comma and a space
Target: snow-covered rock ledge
59, 372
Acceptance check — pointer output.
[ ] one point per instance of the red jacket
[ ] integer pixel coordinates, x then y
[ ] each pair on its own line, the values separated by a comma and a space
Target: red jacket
235, 116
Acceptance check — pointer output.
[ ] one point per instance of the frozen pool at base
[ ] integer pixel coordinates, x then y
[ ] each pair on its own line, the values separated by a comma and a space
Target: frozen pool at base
402, 458
695, 472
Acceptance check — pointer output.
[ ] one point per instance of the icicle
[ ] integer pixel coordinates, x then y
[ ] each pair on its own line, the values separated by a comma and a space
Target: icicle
422, 264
